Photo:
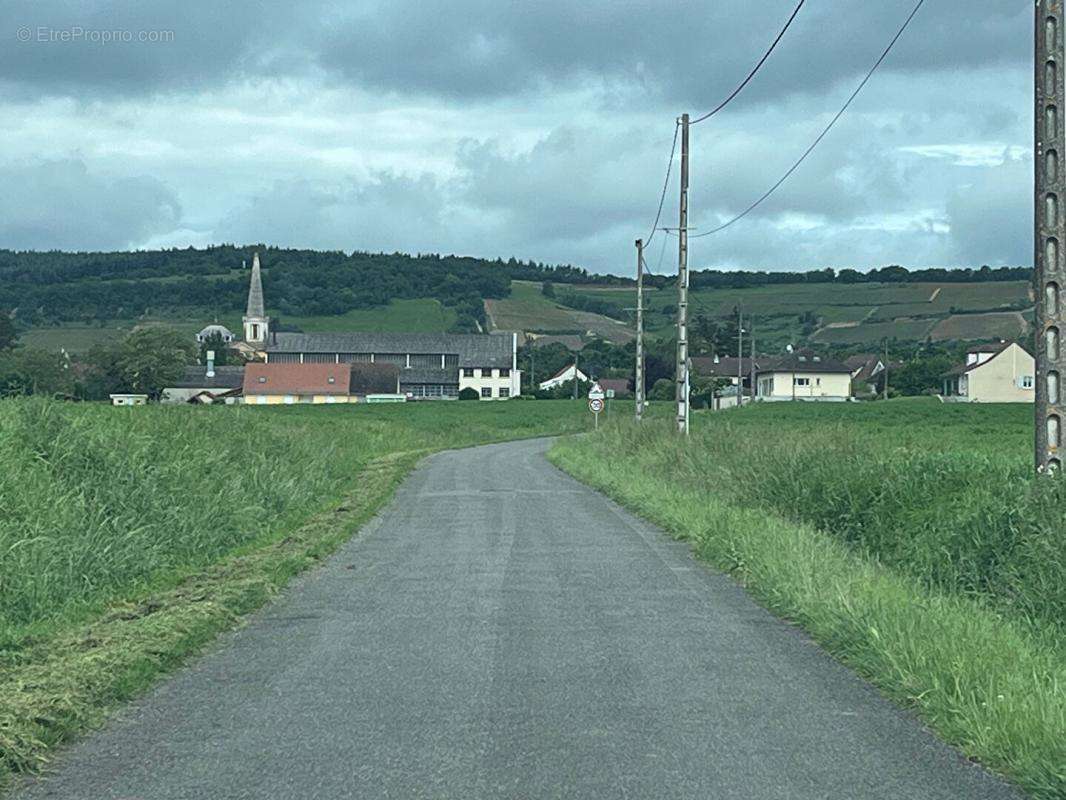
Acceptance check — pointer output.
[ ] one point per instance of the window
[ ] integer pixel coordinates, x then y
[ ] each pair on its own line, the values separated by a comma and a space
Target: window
505, 392
803, 381
262, 379
817, 381
486, 392
505, 373
1027, 381
331, 379
468, 372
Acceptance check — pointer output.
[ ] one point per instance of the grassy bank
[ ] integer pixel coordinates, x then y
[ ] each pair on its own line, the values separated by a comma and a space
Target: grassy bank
129, 537
908, 538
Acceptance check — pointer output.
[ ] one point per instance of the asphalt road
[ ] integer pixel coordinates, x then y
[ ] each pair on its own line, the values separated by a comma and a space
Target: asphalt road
500, 631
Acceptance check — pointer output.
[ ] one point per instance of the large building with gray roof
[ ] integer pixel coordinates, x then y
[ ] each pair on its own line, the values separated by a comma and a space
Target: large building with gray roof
432, 365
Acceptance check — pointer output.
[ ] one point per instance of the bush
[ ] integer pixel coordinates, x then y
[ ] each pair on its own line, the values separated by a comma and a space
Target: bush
469, 394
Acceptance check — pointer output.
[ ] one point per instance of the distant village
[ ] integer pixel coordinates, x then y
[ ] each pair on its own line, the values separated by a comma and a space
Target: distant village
286, 368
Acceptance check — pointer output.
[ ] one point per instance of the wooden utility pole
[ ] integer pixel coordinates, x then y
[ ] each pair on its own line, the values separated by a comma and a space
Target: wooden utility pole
1050, 227
638, 383
575, 375
683, 392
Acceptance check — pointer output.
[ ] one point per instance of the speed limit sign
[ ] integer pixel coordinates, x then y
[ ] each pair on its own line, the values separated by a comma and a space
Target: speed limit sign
595, 405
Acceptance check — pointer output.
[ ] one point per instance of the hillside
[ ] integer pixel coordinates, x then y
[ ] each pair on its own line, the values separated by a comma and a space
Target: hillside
75, 300
834, 314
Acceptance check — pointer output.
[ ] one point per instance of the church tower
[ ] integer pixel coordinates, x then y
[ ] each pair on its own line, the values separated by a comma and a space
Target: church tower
256, 322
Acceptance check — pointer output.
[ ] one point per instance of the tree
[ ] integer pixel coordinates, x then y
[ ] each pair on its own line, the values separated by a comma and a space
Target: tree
920, 376
223, 354
547, 289
30, 371
8, 334
469, 393
662, 390
145, 361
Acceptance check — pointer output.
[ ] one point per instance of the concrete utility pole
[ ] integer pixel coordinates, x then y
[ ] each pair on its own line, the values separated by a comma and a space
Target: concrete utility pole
740, 357
751, 366
886, 368
1050, 224
683, 393
638, 383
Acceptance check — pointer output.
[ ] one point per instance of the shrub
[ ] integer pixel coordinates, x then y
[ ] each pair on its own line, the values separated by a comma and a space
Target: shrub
469, 394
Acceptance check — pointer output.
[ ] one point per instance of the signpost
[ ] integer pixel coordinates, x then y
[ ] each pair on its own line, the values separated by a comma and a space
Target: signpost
596, 401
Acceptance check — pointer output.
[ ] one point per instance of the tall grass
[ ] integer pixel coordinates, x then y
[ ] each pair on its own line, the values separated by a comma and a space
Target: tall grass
910, 538
98, 503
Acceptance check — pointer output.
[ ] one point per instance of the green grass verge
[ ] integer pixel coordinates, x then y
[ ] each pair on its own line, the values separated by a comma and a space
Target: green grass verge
986, 673
131, 537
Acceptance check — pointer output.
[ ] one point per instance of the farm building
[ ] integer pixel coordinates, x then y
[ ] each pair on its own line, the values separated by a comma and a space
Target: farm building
803, 376
997, 373
430, 365
565, 375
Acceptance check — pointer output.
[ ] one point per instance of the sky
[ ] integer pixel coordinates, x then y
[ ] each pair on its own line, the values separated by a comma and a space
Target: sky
539, 129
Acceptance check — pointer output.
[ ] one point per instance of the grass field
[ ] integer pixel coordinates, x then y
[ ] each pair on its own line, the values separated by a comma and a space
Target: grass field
909, 538
131, 536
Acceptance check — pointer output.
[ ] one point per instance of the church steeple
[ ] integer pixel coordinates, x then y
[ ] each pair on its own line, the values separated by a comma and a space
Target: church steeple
256, 322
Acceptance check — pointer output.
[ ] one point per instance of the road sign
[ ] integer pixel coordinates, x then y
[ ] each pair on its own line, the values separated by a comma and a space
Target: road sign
595, 405
596, 393
610, 394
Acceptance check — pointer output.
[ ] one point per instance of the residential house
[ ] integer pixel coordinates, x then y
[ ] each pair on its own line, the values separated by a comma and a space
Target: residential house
206, 384
997, 373
295, 383
866, 373
225, 334
803, 376
563, 376
273, 384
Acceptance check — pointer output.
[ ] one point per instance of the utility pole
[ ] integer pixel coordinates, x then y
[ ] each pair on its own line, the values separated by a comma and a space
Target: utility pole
740, 357
1050, 226
886, 369
532, 378
638, 383
683, 393
575, 375
751, 366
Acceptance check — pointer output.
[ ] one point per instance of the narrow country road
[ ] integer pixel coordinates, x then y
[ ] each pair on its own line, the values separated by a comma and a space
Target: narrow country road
501, 631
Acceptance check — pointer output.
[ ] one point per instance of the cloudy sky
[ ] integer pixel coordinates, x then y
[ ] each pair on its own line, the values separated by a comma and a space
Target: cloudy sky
534, 128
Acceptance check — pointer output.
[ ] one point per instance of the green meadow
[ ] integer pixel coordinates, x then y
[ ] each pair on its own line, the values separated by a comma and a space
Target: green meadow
910, 538
130, 536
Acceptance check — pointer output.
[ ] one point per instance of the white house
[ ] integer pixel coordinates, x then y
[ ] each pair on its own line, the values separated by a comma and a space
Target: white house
129, 399
565, 375
803, 376
997, 373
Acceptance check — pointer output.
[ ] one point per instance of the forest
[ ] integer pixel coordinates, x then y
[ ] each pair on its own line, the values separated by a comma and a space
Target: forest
48, 288
44, 288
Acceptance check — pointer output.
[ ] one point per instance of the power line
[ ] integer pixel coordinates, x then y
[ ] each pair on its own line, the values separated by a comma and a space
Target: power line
758, 66
823, 134
666, 185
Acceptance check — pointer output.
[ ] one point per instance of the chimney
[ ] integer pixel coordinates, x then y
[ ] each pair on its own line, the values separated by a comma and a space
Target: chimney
210, 363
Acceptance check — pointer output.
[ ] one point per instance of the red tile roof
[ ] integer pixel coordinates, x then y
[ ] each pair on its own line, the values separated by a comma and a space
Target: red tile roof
297, 379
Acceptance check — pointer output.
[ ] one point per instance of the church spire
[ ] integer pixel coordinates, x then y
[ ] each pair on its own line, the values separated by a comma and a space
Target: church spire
256, 322
255, 291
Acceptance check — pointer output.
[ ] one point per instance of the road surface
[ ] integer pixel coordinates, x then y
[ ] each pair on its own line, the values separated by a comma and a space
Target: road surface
501, 631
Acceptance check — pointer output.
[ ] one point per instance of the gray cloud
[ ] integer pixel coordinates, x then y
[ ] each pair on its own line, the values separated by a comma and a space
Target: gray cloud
534, 129
60, 204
